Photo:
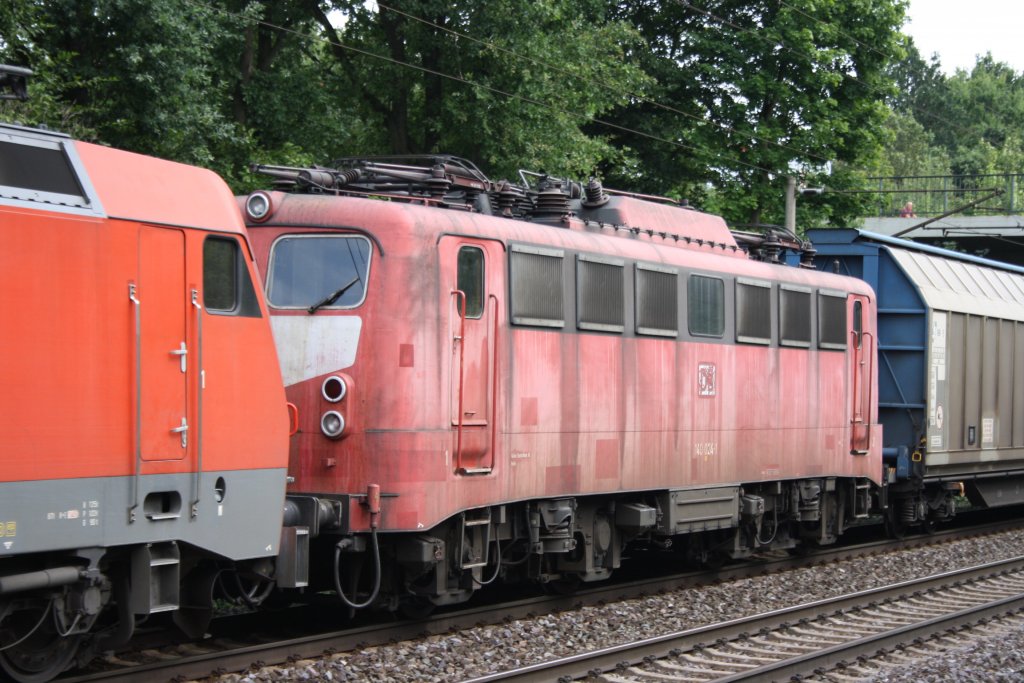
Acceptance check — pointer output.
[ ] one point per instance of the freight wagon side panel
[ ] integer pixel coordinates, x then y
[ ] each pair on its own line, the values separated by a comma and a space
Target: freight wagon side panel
951, 361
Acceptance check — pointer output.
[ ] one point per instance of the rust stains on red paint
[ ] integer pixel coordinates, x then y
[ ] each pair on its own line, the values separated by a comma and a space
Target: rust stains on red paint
528, 409
406, 356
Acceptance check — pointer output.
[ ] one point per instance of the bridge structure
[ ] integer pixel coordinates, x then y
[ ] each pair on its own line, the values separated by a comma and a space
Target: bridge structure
978, 214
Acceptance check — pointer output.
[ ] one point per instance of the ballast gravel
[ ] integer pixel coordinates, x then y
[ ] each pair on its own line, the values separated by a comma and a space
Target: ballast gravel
490, 649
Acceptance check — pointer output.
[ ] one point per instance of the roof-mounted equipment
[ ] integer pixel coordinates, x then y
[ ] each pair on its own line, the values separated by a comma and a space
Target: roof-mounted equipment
14, 82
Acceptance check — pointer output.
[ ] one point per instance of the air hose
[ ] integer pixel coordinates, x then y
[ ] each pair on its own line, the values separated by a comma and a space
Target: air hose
373, 502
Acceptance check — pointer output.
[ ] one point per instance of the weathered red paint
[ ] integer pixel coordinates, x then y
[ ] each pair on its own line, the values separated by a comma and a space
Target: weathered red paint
556, 412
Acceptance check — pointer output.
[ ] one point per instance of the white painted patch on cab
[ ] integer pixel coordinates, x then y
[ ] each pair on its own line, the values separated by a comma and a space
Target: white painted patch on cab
312, 345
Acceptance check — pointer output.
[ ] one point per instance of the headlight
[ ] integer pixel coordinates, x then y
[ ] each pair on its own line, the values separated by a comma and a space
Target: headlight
334, 389
258, 206
332, 424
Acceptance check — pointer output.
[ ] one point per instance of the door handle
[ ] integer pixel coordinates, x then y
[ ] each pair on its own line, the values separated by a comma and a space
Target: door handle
183, 430
182, 352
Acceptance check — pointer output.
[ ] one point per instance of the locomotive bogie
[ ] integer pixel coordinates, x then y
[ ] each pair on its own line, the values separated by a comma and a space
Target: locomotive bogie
568, 540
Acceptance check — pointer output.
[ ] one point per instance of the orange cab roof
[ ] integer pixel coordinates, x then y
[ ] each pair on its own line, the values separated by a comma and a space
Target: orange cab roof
137, 187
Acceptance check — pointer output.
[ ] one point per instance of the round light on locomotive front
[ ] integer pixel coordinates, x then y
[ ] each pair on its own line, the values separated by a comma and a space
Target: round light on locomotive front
334, 389
332, 424
257, 206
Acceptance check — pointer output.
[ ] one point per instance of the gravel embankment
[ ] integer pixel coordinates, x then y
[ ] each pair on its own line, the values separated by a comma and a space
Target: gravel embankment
521, 642
995, 653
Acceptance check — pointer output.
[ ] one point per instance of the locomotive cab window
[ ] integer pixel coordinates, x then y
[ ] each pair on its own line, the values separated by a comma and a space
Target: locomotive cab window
471, 280
753, 312
600, 290
657, 296
831, 320
536, 279
794, 316
705, 306
227, 287
318, 271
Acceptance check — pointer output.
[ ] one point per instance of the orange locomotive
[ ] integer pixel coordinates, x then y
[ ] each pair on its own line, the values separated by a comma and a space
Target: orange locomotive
515, 381
140, 453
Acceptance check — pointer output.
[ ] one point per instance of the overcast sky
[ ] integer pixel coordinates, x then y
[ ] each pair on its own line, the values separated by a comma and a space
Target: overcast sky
959, 30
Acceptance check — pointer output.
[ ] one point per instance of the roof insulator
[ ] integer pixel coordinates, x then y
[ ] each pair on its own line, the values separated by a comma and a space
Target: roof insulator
552, 204
595, 194
438, 183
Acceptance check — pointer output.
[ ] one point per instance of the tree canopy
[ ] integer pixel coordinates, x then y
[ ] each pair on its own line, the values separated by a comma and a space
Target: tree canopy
713, 100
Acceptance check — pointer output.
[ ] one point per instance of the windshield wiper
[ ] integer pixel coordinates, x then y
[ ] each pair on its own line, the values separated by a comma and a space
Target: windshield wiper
332, 297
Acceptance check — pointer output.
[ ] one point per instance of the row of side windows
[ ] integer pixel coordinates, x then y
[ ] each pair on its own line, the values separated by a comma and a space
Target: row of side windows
537, 278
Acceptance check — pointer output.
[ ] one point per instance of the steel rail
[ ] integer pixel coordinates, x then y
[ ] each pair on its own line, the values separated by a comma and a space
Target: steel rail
623, 656
232, 657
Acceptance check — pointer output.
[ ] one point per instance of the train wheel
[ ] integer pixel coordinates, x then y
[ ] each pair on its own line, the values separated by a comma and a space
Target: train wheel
714, 560
416, 607
41, 654
567, 585
894, 526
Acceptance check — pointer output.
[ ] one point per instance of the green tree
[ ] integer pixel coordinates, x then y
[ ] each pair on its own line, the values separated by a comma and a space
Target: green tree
964, 125
504, 83
143, 74
909, 149
754, 91
716, 102
921, 88
974, 116
986, 110
22, 24
214, 85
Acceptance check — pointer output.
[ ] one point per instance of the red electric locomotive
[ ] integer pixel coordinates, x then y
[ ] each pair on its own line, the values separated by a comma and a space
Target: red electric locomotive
518, 380
144, 439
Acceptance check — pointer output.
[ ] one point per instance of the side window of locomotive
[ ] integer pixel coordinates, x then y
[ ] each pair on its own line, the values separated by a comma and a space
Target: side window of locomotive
794, 316
705, 306
600, 291
858, 321
831, 320
40, 170
471, 280
657, 299
753, 312
227, 288
318, 271
536, 286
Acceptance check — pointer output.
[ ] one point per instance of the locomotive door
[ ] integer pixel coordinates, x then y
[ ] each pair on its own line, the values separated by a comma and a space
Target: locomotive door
471, 279
862, 354
163, 354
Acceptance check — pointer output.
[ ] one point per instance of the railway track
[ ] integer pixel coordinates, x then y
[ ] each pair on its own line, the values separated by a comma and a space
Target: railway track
805, 640
235, 653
